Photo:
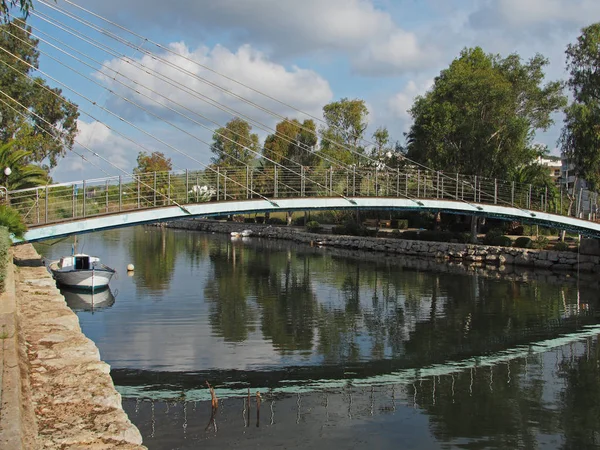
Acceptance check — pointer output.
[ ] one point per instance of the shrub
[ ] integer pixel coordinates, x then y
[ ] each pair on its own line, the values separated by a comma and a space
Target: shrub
276, 221
561, 247
402, 224
299, 221
313, 226
249, 220
492, 236
4, 246
338, 229
500, 241
12, 220
523, 242
541, 242
411, 235
260, 219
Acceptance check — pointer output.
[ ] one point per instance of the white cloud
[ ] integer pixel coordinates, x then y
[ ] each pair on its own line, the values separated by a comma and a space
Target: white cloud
401, 102
525, 13
302, 88
370, 37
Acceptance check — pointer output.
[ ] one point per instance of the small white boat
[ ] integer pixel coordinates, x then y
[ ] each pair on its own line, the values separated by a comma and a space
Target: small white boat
81, 271
236, 234
246, 233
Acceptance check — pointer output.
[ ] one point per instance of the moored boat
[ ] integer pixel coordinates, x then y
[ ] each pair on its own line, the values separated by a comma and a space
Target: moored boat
79, 300
81, 271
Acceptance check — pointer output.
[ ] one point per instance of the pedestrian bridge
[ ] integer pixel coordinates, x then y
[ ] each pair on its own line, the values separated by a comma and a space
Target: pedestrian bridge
90, 205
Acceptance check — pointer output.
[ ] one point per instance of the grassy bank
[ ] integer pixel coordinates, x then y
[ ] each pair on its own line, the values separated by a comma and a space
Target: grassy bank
4, 246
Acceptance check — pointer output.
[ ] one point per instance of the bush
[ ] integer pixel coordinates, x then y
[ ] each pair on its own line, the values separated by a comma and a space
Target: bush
277, 221
12, 220
249, 220
492, 236
299, 221
260, 219
313, 226
500, 241
4, 246
523, 242
338, 229
561, 247
402, 224
541, 242
411, 235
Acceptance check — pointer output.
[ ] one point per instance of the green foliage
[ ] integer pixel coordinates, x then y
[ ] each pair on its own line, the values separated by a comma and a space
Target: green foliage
294, 143
249, 220
155, 162
338, 229
12, 220
23, 5
580, 137
4, 246
234, 144
24, 175
482, 113
523, 242
561, 246
313, 226
411, 235
402, 224
541, 242
276, 221
346, 124
50, 130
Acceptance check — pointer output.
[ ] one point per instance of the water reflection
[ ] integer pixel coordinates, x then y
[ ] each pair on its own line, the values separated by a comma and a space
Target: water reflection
544, 400
80, 301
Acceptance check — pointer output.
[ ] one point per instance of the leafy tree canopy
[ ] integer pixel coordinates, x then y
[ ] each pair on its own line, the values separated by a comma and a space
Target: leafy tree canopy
155, 162
22, 175
23, 5
294, 142
234, 144
580, 137
482, 113
346, 123
49, 127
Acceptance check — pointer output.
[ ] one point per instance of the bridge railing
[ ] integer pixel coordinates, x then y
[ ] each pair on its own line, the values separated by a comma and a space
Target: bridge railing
87, 198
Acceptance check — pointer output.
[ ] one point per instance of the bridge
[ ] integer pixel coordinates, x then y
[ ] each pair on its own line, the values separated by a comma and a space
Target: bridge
89, 205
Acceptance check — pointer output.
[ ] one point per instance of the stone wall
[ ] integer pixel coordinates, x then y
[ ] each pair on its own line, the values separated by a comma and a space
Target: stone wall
70, 390
467, 253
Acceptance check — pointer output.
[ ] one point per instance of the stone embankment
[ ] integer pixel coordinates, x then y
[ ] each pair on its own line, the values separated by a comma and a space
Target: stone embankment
467, 253
64, 393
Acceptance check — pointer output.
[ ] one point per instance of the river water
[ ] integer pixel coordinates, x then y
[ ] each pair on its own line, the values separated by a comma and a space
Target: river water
314, 347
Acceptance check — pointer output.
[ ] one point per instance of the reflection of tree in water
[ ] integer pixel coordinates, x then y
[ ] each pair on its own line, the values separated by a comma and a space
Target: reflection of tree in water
492, 407
284, 293
227, 291
154, 251
580, 399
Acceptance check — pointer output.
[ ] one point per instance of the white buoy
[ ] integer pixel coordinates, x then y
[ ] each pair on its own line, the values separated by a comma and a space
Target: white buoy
130, 267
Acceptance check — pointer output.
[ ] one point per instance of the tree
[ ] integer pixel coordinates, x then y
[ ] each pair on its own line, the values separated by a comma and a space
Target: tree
155, 162
11, 219
293, 142
23, 5
234, 144
580, 137
346, 124
49, 127
482, 113
22, 175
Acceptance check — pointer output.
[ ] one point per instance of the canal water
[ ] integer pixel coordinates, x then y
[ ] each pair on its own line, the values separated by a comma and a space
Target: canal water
311, 347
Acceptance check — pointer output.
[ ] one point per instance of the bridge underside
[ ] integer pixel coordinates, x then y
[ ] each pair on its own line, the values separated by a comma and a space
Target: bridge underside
129, 218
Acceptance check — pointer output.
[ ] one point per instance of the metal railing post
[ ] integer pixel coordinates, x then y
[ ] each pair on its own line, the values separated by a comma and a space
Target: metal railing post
224, 185
331, 181
37, 204
247, 182
83, 209
437, 190
418, 183
561, 200
475, 189
495, 191
218, 183
153, 191
529, 199
512, 194
302, 182
546, 200
187, 185
457, 186
275, 183
354, 180
121, 193
74, 200
106, 194
169, 188
46, 206
139, 193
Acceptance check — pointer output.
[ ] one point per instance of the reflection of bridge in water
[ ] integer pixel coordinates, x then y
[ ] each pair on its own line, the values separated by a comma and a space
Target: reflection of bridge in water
441, 391
83, 206
293, 380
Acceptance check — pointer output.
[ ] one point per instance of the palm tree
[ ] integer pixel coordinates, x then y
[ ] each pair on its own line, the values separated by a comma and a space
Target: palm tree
23, 175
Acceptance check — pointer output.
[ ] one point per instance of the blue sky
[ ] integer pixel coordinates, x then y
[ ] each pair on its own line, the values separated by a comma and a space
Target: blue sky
304, 53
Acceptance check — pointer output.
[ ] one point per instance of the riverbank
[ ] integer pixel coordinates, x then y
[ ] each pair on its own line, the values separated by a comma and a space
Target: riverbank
56, 392
499, 257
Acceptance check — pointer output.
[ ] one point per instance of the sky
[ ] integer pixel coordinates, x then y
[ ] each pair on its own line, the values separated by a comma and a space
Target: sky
303, 54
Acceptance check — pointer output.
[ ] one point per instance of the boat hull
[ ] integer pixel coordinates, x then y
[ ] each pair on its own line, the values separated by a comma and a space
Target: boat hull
91, 279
